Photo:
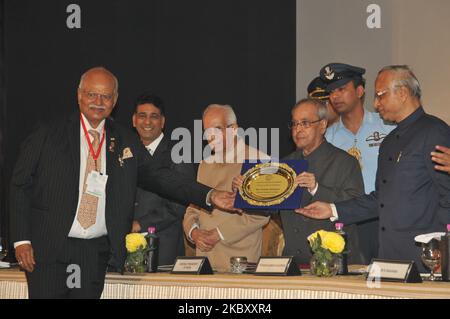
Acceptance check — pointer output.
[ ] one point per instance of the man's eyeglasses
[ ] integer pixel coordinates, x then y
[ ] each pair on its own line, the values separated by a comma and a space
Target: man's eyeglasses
92, 96
380, 94
302, 124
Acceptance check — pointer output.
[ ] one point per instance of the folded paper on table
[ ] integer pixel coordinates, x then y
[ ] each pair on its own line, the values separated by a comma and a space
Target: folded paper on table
270, 185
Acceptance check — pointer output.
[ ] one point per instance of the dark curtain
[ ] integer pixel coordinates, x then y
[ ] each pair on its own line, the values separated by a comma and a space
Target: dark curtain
191, 53
3, 183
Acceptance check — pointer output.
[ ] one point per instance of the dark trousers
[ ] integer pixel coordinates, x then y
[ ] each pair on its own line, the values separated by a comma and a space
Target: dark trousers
78, 273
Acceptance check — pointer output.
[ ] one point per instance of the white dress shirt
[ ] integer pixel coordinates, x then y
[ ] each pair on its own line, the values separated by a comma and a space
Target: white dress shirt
99, 228
151, 148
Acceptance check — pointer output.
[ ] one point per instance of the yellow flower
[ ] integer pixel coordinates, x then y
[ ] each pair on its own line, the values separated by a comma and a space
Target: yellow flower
330, 240
313, 236
134, 241
333, 242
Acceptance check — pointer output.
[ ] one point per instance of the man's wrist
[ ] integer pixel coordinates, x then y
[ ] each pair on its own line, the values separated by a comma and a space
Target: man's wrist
314, 190
220, 234
194, 227
22, 242
208, 198
334, 213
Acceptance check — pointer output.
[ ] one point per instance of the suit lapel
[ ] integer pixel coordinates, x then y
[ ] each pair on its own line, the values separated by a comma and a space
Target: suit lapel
163, 145
73, 130
113, 152
113, 148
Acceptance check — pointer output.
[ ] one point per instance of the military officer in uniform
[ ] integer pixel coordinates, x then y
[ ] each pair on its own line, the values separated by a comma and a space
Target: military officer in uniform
357, 131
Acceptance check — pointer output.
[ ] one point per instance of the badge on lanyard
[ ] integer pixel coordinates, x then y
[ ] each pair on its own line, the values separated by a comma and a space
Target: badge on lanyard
96, 184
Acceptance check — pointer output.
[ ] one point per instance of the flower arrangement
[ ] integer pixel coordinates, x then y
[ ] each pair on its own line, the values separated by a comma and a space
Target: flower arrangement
136, 245
325, 245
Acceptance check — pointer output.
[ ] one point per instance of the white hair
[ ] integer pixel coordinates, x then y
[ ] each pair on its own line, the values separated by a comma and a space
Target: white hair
231, 116
321, 108
404, 77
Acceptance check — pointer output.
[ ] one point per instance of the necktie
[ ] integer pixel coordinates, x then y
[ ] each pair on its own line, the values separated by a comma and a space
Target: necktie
87, 213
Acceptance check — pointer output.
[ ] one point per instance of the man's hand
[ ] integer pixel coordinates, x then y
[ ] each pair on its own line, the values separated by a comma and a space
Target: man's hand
307, 180
136, 228
25, 257
442, 158
316, 210
224, 201
237, 183
205, 240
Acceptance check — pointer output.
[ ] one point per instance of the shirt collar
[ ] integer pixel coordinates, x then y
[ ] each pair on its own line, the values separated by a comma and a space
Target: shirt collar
367, 118
99, 128
153, 145
414, 116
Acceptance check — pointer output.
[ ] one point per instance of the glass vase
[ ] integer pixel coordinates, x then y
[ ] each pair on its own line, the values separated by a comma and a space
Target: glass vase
324, 267
135, 262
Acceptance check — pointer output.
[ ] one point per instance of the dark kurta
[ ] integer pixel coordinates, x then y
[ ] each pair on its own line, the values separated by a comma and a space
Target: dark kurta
410, 197
339, 177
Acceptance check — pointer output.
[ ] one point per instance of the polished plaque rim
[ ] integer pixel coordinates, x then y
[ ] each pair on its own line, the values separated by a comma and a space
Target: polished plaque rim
283, 170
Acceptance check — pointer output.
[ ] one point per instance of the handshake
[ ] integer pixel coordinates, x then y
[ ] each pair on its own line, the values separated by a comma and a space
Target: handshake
205, 240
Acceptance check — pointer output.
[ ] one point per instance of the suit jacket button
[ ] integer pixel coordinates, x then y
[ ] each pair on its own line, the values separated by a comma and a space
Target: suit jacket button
381, 205
383, 228
384, 181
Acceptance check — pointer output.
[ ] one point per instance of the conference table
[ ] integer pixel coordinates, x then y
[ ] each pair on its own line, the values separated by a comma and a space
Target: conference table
240, 286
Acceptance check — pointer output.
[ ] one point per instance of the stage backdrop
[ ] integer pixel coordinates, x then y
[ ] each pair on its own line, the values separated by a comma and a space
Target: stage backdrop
191, 53
375, 33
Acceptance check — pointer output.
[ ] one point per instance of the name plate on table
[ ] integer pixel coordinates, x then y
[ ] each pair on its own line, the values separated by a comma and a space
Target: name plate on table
393, 270
277, 266
192, 266
270, 185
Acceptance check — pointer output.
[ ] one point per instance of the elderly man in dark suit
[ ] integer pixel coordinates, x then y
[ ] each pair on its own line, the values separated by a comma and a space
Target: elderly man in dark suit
411, 197
151, 209
73, 191
332, 175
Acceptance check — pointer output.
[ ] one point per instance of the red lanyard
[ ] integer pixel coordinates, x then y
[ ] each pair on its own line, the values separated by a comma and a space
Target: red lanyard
94, 154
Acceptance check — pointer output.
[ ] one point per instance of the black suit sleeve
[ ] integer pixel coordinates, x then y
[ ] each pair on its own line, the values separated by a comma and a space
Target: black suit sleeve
156, 211
358, 209
166, 182
22, 182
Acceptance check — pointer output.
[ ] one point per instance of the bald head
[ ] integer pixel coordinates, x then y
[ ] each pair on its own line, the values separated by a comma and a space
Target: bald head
398, 93
97, 94
219, 122
98, 72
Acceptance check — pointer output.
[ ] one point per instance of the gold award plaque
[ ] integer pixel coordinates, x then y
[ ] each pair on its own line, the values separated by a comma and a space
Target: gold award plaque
268, 184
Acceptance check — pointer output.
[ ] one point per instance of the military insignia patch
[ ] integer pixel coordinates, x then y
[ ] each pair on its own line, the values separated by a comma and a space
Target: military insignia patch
376, 137
329, 74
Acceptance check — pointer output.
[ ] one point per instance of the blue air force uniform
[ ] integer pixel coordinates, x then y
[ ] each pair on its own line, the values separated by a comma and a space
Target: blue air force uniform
364, 145
368, 140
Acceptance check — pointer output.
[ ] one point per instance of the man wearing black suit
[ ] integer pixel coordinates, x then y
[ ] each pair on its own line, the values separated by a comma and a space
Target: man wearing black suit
411, 197
73, 191
151, 209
